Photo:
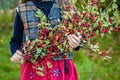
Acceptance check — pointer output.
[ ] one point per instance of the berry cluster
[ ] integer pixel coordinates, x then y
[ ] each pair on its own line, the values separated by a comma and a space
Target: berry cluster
52, 42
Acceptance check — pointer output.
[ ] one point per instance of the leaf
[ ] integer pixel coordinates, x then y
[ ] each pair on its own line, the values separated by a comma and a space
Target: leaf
71, 49
106, 17
41, 68
114, 6
27, 38
39, 50
43, 54
47, 41
40, 73
57, 37
111, 28
109, 10
36, 56
102, 35
97, 32
61, 49
22, 61
102, 1
64, 43
39, 13
114, 1
74, 1
49, 64
116, 13
109, 32
50, 34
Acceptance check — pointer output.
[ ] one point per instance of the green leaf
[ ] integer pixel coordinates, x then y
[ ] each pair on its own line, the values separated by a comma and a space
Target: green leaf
111, 28
40, 73
102, 35
49, 64
114, 1
74, 1
47, 41
109, 32
97, 32
39, 13
116, 13
36, 56
43, 54
50, 34
106, 17
114, 6
102, 1
64, 43
41, 68
61, 49
109, 10
39, 50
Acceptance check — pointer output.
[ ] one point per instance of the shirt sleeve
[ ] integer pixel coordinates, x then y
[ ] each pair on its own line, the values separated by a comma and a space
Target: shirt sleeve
16, 40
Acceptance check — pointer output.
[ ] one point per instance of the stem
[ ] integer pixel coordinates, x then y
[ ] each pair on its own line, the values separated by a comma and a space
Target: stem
108, 6
84, 2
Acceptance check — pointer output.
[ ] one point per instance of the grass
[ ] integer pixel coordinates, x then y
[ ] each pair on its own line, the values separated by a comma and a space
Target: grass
8, 70
89, 68
97, 68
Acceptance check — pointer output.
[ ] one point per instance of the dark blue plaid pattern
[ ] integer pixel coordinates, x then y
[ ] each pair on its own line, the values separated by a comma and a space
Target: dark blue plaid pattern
27, 12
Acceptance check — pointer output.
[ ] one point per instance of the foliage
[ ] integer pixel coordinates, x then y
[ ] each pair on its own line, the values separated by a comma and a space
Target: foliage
52, 42
6, 20
8, 4
89, 67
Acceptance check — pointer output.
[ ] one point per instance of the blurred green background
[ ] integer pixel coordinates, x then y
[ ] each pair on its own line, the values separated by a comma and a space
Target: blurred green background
89, 65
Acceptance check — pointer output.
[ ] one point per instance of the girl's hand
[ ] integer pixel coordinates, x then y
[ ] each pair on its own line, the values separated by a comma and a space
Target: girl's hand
16, 57
73, 40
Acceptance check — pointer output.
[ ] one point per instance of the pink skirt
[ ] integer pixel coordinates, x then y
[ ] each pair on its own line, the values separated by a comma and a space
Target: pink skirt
58, 71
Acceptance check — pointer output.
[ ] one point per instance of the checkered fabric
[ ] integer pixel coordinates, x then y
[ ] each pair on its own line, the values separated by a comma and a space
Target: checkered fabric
27, 13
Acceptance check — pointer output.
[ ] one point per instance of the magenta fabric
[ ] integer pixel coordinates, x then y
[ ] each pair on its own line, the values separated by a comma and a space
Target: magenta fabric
58, 72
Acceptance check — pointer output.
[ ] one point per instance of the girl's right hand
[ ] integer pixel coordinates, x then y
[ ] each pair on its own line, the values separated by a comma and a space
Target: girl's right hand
16, 58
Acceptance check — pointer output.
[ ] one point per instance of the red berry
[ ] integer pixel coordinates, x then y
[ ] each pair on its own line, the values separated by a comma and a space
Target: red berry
59, 35
68, 8
77, 53
105, 30
83, 34
98, 5
99, 24
79, 30
91, 34
71, 31
27, 57
111, 20
103, 53
94, 1
116, 29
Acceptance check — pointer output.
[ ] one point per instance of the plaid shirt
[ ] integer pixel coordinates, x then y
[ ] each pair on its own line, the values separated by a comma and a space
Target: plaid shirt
27, 13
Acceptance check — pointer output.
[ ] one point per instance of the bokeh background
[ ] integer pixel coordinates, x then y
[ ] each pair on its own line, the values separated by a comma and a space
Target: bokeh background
89, 65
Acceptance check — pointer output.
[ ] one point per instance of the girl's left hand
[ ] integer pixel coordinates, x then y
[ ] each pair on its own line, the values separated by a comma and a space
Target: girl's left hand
73, 40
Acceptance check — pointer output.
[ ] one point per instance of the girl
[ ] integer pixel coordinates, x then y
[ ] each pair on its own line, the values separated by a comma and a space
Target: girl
25, 25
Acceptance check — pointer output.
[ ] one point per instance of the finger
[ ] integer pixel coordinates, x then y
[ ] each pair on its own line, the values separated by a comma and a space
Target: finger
15, 59
72, 44
73, 40
11, 59
76, 38
19, 57
18, 52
